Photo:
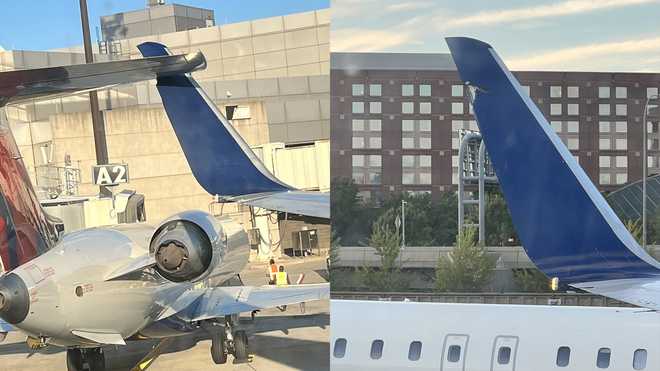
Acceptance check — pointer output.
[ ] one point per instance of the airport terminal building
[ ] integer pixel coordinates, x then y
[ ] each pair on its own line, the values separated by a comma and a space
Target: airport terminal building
396, 119
273, 73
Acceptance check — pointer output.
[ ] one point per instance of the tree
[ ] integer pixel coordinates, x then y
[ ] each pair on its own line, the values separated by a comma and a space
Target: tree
635, 229
499, 226
531, 280
388, 277
343, 205
467, 267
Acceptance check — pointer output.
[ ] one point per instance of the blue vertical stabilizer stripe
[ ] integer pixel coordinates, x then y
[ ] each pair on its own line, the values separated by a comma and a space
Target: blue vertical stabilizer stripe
220, 160
566, 226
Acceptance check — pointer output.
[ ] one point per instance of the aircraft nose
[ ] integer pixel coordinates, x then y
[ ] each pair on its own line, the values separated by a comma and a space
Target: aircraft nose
14, 299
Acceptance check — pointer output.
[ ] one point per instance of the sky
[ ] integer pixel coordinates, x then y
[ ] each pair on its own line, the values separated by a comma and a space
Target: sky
575, 35
51, 24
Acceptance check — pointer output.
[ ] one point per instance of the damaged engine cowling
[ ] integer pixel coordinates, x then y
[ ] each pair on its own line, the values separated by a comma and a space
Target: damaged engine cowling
193, 245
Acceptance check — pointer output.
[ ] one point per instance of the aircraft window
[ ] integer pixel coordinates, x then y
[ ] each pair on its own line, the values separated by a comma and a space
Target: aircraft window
563, 356
454, 353
340, 348
504, 355
377, 349
603, 360
415, 351
639, 359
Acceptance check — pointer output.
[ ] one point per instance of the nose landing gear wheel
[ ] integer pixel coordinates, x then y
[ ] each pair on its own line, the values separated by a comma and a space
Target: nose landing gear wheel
240, 346
218, 348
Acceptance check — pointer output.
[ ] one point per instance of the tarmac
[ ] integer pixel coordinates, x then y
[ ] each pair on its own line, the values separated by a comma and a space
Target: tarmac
277, 340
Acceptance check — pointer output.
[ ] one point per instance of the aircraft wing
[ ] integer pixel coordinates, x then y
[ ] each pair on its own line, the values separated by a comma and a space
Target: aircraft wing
221, 161
20, 85
221, 301
295, 202
566, 227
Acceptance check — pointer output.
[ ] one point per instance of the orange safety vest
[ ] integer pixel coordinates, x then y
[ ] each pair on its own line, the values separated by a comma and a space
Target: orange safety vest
273, 271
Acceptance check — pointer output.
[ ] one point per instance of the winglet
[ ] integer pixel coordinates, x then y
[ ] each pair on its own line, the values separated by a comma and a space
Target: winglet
565, 225
219, 158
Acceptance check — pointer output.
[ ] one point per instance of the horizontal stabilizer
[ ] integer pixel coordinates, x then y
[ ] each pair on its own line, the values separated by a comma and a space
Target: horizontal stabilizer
100, 337
566, 227
221, 301
20, 85
294, 202
219, 158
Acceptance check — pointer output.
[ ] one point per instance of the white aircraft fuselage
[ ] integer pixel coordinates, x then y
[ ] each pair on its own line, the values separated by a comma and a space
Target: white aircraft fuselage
475, 337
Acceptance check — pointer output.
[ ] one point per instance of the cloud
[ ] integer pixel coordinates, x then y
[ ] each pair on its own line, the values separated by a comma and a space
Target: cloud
366, 40
409, 6
569, 7
609, 55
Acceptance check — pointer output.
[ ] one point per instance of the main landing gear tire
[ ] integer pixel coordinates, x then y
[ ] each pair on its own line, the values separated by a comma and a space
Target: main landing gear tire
240, 346
77, 358
74, 360
218, 348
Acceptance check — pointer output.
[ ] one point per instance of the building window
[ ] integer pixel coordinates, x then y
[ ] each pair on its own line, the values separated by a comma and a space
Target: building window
457, 108
407, 143
604, 109
358, 125
415, 351
555, 109
573, 143
573, 109
621, 144
425, 142
407, 90
424, 125
425, 90
457, 90
375, 90
525, 89
425, 178
621, 109
366, 169
340, 348
556, 125
416, 134
603, 92
358, 142
374, 143
621, 178
358, 160
621, 161
604, 126
605, 178
454, 353
639, 359
416, 169
604, 162
572, 127
573, 91
358, 90
407, 125
563, 356
358, 107
425, 107
621, 92
621, 127
555, 92
374, 125
605, 143
407, 107
651, 92
374, 107
377, 349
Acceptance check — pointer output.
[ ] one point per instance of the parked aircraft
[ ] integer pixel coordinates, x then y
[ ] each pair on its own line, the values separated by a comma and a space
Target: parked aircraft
480, 337
566, 227
186, 105
108, 285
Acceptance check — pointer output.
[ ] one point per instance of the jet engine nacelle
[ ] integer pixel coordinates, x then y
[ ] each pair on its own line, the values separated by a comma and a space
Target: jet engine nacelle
194, 245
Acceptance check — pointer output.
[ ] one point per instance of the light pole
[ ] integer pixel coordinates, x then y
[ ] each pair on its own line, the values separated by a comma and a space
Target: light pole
644, 166
403, 223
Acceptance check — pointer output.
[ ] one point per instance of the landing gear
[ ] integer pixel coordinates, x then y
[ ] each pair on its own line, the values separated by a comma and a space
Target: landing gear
225, 340
76, 359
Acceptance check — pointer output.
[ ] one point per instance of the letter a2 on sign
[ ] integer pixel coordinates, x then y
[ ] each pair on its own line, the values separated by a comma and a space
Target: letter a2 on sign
111, 174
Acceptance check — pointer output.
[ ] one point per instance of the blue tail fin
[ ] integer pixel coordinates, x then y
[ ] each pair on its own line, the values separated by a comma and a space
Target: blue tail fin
220, 159
566, 226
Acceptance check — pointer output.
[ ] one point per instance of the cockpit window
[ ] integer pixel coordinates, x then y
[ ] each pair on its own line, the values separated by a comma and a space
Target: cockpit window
340, 348
415, 351
377, 349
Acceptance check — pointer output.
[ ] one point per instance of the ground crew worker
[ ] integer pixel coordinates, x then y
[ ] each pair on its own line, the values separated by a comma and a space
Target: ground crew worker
272, 271
282, 279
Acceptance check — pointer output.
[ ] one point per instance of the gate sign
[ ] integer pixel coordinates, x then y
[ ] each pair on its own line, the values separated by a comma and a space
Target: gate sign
110, 174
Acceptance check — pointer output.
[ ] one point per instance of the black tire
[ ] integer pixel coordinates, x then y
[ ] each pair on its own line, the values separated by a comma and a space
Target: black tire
74, 360
240, 346
96, 360
218, 349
